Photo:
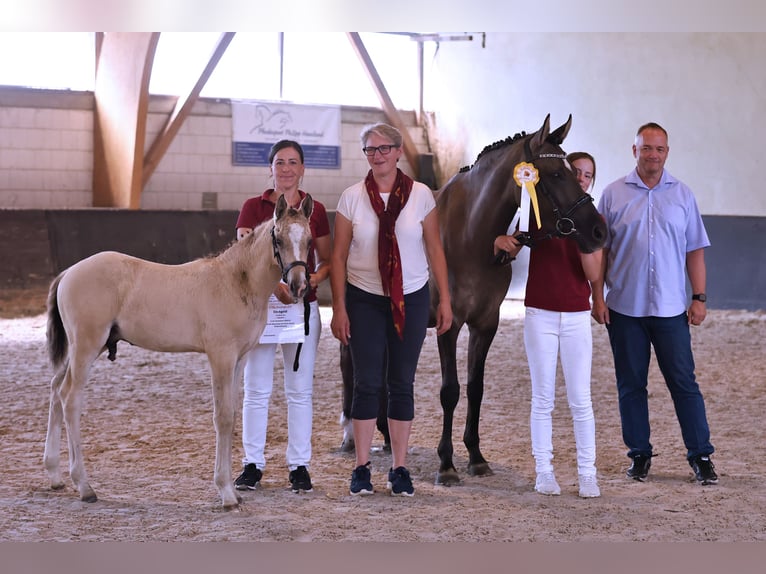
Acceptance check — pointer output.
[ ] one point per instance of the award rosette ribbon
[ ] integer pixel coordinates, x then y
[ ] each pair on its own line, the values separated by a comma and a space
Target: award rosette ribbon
525, 175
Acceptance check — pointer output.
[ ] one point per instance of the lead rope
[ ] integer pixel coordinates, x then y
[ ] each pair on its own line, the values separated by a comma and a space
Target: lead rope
306, 315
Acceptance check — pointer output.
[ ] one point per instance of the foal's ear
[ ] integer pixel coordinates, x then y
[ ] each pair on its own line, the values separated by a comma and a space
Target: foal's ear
558, 135
307, 206
280, 208
538, 139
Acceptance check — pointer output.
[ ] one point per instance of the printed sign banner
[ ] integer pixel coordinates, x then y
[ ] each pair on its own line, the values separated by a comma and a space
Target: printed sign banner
257, 125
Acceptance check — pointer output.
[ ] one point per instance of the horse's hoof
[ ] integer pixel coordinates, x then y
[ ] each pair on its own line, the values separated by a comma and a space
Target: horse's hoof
480, 469
447, 478
57, 486
89, 498
347, 446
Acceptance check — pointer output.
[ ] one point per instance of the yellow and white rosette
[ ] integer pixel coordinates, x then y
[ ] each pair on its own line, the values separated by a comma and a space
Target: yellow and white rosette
526, 176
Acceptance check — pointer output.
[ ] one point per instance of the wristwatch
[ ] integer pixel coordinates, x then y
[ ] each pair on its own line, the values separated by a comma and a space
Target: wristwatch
699, 297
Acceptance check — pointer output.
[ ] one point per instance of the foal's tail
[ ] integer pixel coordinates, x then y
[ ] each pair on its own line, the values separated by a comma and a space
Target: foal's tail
57, 339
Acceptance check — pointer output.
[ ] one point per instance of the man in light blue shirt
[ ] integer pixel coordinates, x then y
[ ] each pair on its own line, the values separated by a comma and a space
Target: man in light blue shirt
656, 237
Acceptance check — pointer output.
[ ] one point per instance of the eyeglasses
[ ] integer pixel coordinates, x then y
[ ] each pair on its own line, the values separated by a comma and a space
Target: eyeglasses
383, 149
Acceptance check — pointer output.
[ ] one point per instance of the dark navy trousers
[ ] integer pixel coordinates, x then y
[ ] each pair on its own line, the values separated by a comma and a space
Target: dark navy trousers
374, 345
631, 339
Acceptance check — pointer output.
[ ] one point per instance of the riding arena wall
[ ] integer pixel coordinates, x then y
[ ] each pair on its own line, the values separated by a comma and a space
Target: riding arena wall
190, 204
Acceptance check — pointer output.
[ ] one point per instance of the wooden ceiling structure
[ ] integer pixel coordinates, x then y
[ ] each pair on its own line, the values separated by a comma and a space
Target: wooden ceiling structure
121, 165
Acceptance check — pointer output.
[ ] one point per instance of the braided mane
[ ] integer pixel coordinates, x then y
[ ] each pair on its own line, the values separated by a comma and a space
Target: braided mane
493, 146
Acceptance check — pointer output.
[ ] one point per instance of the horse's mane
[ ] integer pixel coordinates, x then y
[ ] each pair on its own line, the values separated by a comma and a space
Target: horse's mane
493, 146
235, 242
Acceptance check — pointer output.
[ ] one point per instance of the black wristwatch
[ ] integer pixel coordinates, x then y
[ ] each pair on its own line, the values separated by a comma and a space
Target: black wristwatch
699, 297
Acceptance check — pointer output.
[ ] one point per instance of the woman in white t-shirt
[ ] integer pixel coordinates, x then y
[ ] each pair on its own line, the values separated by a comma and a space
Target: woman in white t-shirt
386, 241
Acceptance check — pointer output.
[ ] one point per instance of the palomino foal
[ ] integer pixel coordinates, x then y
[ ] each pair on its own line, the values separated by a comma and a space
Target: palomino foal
217, 306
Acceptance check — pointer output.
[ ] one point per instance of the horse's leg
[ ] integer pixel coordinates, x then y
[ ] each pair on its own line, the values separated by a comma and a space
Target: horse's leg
52, 454
225, 373
81, 357
449, 395
382, 422
479, 342
347, 375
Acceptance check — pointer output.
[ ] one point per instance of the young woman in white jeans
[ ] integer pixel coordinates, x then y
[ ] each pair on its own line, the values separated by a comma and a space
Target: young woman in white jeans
286, 161
557, 325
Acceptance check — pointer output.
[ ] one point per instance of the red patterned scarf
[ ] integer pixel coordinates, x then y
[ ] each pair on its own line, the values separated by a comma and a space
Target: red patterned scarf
389, 261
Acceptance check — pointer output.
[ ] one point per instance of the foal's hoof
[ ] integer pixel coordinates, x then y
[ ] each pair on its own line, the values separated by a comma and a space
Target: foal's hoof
447, 477
480, 469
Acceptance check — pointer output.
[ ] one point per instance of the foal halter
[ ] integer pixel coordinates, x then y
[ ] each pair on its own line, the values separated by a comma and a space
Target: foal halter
278, 257
306, 308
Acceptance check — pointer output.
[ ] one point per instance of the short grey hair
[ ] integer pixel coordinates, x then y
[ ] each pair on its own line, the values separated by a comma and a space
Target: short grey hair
383, 130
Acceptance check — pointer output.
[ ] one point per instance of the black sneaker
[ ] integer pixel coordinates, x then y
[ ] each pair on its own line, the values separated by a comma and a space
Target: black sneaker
249, 479
399, 482
360, 481
300, 480
704, 470
640, 467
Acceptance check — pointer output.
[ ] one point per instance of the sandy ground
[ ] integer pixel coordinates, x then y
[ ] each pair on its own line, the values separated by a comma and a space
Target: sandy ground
149, 448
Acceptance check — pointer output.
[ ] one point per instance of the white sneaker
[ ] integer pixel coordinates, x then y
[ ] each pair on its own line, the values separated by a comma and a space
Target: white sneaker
546, 484
589, 486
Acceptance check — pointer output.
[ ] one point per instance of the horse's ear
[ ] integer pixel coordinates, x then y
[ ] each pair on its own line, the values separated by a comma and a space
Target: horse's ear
557, 136
538, 139
281, 207
307, 206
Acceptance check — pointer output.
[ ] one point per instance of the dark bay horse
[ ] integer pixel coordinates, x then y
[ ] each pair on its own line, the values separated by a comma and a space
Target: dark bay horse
216, 305
475, 206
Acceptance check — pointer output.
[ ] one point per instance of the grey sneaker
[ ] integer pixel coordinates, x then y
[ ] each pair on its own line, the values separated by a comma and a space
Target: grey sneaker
589, 486
545, 483
360, 481
399, 482
249, 479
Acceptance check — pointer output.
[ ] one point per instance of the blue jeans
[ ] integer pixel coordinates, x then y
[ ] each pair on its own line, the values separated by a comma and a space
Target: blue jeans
630, 338
373, 338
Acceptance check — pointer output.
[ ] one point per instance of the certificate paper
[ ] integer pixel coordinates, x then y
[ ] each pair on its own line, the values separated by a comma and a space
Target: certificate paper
285, 323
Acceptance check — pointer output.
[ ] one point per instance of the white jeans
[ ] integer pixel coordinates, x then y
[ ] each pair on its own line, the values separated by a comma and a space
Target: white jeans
548, 335
259, 380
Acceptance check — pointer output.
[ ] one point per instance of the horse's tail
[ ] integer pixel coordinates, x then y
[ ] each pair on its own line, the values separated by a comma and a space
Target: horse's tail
56, 334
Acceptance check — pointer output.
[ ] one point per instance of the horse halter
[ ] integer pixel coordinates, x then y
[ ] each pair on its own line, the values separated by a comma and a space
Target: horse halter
278, 257
565, 225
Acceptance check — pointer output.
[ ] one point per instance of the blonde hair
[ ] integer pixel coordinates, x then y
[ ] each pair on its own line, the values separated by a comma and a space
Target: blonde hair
383, 130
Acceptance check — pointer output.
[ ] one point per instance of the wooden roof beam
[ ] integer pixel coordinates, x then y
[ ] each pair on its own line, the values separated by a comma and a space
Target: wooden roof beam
119, 126
410, 151
183, 108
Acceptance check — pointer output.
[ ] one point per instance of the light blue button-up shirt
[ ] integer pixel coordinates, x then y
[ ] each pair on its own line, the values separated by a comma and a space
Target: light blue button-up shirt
650, 233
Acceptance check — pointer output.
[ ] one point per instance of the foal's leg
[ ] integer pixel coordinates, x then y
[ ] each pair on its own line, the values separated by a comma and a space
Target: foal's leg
226, 373
81, 359
52, 454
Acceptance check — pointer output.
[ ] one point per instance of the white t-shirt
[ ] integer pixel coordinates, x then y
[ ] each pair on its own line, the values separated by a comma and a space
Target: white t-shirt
362, 264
